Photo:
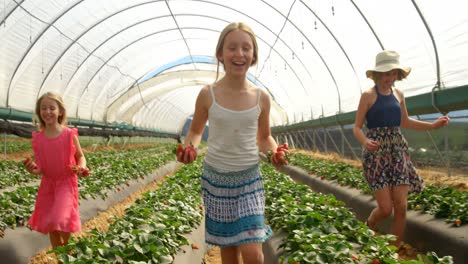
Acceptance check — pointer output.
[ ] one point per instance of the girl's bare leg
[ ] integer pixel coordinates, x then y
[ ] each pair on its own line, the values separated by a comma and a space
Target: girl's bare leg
400, 196
230, 255
383, 209
252, 253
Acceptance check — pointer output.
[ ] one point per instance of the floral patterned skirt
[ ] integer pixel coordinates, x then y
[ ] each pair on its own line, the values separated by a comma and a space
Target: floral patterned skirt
390, 165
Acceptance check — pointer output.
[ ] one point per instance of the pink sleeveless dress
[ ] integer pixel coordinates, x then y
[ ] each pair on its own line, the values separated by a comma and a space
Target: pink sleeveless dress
56, 207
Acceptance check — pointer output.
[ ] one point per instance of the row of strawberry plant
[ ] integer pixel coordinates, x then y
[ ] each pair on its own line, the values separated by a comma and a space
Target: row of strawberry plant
11, 145
320, 229
111, 169
13, 173
17, 144
442, 202
151, 231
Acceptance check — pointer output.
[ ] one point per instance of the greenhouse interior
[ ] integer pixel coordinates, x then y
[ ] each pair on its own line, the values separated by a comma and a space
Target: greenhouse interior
131, 73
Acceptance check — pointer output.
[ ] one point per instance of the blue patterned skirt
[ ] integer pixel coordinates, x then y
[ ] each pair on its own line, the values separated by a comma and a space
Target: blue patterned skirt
234, 207
390, 165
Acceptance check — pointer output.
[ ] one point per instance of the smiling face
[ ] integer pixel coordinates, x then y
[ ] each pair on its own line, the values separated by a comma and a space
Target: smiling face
50, 111
237, 53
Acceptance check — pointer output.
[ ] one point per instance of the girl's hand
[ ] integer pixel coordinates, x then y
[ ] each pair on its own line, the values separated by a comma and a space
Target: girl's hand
371, 145
80, 171
186, 155
280, 156
31, 166
440, 122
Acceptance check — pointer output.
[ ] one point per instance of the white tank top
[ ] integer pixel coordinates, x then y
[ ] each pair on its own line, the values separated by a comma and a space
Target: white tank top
232, 137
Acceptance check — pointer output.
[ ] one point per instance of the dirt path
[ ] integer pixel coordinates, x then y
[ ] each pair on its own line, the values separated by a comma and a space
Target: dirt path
213, 256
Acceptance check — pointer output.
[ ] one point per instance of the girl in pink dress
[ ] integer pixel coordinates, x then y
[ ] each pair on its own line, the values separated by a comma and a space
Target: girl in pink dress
59, 159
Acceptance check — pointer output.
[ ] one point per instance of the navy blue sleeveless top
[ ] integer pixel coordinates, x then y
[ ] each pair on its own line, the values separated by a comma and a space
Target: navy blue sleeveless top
385, 112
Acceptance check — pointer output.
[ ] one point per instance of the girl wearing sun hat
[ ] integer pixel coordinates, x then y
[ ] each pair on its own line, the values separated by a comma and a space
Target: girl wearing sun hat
386, 162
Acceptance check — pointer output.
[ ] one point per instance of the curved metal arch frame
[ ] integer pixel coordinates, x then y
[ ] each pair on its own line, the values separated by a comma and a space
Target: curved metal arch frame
426, 25
134, 108
165, 75
148, 2
84, 33
131, 92
302, 63
244, 14
362, 15
313, 46
166, 30
133, 86
368, 24
181, 33
76, 40
137, 87
91, 53
39, 36
73, 41
11, 12
337, 42
277, 36
429, 31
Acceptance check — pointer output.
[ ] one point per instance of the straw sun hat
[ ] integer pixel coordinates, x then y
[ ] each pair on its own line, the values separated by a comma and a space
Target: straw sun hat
388, 60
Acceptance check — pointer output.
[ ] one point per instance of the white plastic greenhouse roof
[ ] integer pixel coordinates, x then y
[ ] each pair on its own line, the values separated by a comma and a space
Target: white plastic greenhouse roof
143, 62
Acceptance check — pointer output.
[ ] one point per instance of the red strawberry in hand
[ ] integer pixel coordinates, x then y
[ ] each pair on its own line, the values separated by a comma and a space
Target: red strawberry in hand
279, 154
28, 161
278, 158
85, 172
192, 153
285, 149
178, 149
282, 147
82, 172
186, 155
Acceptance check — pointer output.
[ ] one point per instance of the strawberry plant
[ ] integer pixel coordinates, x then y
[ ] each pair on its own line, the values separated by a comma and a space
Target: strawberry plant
442, 202
151, 231
111, 169
319, 229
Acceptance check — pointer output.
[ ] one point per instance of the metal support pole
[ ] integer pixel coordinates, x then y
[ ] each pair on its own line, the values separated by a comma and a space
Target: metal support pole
306, 146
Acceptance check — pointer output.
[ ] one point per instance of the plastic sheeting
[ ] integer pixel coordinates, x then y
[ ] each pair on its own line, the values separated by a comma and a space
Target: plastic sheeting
143, 62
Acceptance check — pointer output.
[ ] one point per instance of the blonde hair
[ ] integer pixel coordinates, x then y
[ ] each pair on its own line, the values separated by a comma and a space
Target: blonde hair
62, 119
228, 29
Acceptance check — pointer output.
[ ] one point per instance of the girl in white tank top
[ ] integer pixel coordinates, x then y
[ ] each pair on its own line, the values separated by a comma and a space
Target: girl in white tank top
239, 116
